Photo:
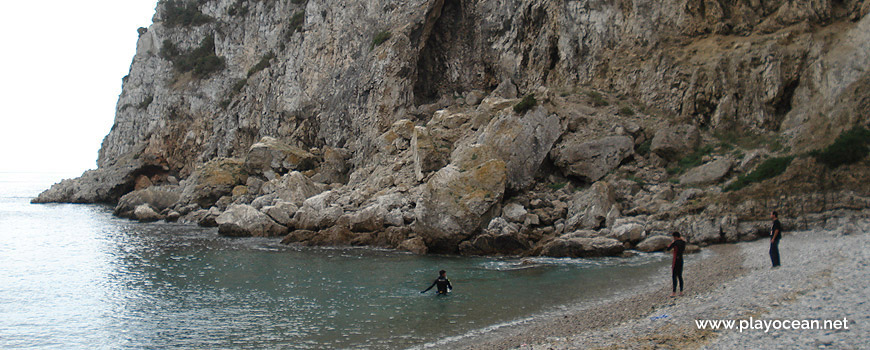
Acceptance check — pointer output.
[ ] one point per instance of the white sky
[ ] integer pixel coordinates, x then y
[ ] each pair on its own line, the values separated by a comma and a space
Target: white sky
62, 63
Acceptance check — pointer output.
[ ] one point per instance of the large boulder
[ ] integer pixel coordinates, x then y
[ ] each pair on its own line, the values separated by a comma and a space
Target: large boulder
271, 156
629, 232
591, 208
293, 188
674, 142
159, 199
591, 160
414, 245
514, 212
654, 243
522, 142
145, 213
213, 180
368, 219
582, 247
244, 220
711, 172
282, 213
318, 212
455, 201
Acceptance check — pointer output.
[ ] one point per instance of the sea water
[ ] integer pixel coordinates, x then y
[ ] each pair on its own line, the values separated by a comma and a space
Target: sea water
74, 276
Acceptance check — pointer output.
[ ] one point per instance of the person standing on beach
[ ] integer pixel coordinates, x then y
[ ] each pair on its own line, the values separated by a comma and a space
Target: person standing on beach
679, 246
442, 282
775, 235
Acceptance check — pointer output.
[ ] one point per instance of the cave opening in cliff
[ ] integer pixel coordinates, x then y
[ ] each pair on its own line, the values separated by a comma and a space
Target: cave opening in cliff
450, 61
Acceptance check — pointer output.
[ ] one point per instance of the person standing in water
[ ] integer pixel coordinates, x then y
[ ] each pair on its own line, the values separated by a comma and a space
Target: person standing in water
442, 282
679, 246
775, 235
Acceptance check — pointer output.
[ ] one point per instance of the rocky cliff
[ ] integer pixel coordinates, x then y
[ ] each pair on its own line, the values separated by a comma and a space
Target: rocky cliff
564, 128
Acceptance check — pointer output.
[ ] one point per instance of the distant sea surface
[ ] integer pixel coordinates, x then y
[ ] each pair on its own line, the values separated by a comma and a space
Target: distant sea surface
73, 276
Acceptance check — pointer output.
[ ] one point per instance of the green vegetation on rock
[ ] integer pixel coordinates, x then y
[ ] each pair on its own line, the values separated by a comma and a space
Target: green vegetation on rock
264, 63
239, 8
770, 168
380, 38
179, 13
146, 102
525, 104
297, 21
644, 147
850, 147
626, 111
692, 160
201, 61
239, 85
596, 99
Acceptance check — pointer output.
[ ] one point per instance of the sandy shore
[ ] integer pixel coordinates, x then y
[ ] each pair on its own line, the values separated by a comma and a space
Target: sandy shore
823, 276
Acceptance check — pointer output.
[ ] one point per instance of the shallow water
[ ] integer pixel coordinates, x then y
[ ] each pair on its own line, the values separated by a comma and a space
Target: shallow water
74, 276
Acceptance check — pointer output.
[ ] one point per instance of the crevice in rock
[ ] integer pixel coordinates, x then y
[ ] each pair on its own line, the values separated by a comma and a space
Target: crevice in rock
784, 104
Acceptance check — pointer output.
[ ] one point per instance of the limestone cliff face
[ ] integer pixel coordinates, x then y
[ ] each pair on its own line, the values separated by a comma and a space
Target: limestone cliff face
757, 65
350, 80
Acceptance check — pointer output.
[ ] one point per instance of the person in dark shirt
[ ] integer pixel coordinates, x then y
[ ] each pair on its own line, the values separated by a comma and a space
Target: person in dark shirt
775, 235
679, 246
442, 282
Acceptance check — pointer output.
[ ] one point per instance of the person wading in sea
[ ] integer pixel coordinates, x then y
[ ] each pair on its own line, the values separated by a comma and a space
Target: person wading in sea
679, 246
442, 282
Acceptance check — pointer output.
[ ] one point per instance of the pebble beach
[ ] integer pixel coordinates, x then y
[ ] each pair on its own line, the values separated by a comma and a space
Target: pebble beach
823, 277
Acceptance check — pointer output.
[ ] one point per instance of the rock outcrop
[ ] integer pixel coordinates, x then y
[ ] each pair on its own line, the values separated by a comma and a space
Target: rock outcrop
405, 124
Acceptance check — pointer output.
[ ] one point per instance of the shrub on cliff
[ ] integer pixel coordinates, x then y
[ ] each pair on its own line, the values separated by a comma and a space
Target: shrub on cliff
380, 38
768, 169
239, 8
596, 99
179, 13
850, 147
264, 63
297, 21
526, 104
201, 61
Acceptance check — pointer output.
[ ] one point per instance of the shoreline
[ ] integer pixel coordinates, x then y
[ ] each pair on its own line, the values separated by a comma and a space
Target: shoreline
736, 282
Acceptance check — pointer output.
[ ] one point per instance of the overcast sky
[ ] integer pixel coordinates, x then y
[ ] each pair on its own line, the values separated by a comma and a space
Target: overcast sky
62, 63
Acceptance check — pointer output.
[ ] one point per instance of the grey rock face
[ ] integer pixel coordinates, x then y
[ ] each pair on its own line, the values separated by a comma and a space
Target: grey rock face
244, 220
591, 159
522, 142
